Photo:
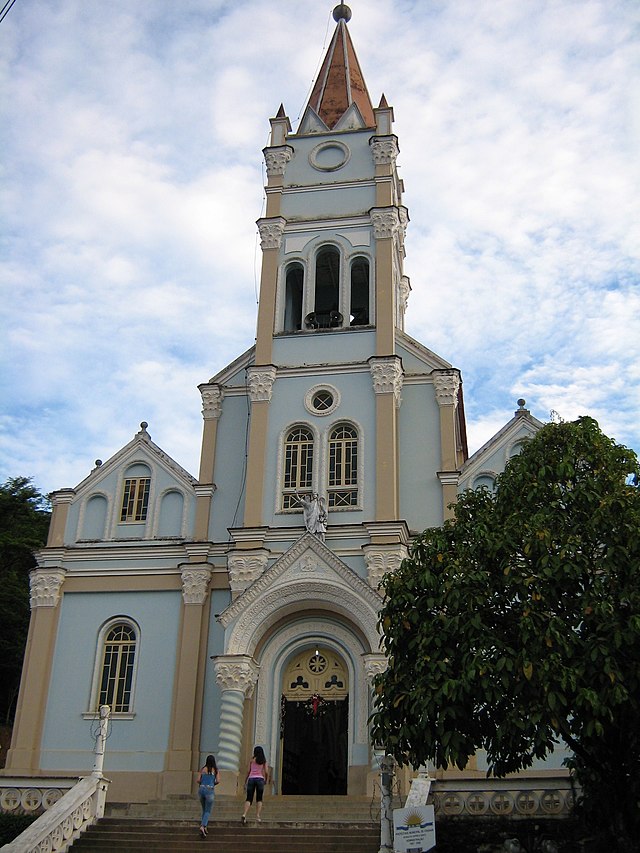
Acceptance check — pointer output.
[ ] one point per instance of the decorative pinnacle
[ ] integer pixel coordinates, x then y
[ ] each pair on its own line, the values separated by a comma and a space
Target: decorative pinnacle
342, 13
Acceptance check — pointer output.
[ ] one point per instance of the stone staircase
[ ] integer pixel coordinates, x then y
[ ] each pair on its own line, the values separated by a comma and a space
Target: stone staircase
289, 825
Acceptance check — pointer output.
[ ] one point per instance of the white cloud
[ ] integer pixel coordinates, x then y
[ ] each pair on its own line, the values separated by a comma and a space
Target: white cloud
132, 180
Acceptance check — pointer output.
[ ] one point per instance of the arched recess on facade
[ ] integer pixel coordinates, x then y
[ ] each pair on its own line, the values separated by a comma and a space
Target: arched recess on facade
283, 644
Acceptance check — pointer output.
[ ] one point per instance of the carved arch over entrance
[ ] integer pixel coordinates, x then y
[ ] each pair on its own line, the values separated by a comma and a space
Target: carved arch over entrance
308, 577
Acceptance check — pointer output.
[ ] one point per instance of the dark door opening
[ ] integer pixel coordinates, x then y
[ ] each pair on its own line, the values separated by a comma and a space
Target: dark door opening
314, 755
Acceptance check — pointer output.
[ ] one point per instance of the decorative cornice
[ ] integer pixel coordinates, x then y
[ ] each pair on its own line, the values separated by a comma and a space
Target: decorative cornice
386, 222
449, 478
261, 381
384, 149
446, 384
212, 396
276, 159
45, 586
387, 375
236, 672
195, 585
271, 231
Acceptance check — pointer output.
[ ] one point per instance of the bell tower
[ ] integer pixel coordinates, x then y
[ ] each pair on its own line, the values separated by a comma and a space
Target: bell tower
332, 286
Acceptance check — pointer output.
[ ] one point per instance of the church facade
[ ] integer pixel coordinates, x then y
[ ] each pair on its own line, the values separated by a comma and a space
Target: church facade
240, 607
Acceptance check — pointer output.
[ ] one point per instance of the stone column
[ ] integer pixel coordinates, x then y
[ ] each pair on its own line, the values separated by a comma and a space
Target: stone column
447, 385
236, 675
46, 586
374, 664
212, 396
387, 375
261, 381
182, 755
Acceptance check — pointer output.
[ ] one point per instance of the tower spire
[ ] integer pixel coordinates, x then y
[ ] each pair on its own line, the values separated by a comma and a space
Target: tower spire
340, 84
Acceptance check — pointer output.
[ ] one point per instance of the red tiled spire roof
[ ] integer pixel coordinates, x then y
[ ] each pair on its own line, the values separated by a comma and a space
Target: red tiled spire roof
340, 82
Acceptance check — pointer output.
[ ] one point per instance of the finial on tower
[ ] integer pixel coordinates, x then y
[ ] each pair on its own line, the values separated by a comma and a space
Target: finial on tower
342, 13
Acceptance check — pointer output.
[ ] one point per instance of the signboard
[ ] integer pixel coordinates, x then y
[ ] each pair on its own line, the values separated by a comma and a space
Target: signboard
414, 829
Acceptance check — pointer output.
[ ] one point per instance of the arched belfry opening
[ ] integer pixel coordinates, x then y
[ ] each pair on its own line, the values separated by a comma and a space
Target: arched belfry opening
314, 720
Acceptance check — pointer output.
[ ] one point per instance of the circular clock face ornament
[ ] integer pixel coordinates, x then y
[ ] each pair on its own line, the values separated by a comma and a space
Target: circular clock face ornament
329, 156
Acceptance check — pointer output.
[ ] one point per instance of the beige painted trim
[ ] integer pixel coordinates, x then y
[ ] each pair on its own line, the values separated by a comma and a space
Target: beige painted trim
449, 496
124, 583
385, 311
208, 452
179, 769
24, 754
267, 306
448, 444
61, 501
386, 458
255, 463
384, 185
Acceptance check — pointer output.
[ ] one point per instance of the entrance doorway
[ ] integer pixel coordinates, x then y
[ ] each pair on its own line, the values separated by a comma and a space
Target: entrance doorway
314, 724
314, 751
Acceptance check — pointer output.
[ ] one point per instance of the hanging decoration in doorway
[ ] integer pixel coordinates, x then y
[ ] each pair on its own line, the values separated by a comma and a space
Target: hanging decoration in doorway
316, 705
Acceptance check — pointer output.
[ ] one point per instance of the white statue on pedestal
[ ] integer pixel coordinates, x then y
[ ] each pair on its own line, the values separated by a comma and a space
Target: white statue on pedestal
315, 514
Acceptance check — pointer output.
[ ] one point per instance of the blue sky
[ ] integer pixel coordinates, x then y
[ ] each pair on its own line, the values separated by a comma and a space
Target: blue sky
132, 176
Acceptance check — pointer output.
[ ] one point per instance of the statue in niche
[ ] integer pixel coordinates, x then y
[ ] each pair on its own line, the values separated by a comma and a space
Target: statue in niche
315, 514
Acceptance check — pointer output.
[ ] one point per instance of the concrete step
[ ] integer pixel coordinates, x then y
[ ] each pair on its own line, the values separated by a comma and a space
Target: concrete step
136, 835
276, 809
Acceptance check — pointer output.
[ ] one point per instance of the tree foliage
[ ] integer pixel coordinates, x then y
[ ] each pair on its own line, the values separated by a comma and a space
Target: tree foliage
516, 625
24, 522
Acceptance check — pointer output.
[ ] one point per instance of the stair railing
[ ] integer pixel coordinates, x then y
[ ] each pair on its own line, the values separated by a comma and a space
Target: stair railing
57, 829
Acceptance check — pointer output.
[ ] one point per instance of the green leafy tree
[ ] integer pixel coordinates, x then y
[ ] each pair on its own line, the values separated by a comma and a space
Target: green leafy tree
24, 522
516, 625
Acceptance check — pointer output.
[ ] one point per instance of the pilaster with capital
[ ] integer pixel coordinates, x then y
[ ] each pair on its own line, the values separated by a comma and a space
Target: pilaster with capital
447, 388
212, 396
261, 381
384, 150
385, 221
236, 675
271, 231
45, 586
195, 585
387, 376
276, 159
446, 384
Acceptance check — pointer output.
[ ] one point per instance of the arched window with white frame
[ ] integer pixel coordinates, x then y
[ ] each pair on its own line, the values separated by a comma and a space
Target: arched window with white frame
359, 295
298, 464
135, 494
342, 480
326, 304
117, 655
293, 297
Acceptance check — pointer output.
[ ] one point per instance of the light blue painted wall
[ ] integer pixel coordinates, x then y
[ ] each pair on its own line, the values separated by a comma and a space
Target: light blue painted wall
231, 444
287, 407
320, 348
360, 166
419, 441
138, 744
